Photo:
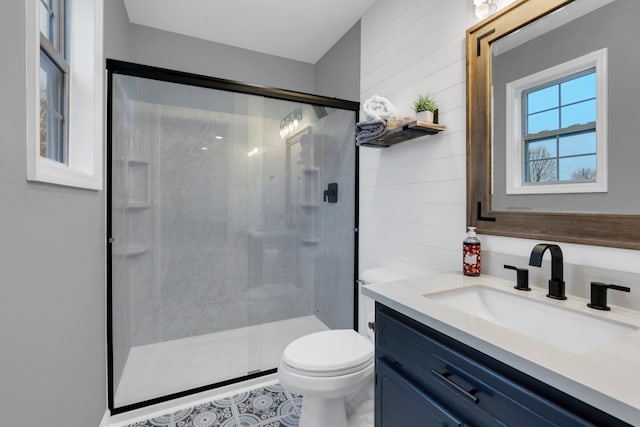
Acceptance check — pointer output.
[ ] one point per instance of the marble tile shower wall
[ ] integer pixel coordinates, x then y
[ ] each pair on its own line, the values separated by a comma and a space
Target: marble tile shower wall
215, 206
210, 264
195, 241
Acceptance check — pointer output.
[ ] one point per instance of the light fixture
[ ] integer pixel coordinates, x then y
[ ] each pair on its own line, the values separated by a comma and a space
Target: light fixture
484, 8
218, 137
290, 123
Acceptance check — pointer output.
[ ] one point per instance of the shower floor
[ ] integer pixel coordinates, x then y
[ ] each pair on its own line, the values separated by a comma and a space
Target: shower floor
169, 367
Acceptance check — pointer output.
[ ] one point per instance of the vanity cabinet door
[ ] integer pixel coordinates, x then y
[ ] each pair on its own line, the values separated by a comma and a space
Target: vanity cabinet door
399, 403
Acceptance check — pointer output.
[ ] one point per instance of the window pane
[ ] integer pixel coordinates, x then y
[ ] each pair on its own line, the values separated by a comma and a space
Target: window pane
55, 144
542, 99
53, 84
52, 143
43, 131
541, 171
43, 86
541, 149
578, 89
578, 114
581, 168
46, 26
51, 136
578, 143
542, 121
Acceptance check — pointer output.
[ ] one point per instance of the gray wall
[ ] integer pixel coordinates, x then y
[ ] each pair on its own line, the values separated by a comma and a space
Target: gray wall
589, 33
337, 73
117, 31
52, 362
150, 46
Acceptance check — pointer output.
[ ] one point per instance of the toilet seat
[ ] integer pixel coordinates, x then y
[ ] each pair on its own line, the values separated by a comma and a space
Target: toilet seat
329, 353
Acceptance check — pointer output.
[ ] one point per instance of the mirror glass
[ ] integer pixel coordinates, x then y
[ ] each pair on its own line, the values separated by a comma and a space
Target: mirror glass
564, 133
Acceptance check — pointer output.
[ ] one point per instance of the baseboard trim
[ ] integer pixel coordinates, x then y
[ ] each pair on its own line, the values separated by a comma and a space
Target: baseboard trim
105, 419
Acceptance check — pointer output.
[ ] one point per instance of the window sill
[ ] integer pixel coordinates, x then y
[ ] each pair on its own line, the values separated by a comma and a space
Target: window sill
554, 187
49, 171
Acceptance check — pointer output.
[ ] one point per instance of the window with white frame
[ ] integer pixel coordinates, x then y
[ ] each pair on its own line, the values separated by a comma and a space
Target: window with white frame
556, 129
64, 92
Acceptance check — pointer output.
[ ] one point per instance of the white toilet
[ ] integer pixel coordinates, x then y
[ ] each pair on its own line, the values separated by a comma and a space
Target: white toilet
328, 367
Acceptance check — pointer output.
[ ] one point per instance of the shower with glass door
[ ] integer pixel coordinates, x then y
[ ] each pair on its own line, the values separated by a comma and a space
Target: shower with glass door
226, 239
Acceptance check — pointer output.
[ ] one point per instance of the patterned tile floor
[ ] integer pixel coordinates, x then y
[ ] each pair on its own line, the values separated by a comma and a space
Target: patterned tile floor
269, 406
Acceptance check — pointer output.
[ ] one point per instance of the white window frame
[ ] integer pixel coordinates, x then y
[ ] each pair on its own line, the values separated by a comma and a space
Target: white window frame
84, 167
514, 142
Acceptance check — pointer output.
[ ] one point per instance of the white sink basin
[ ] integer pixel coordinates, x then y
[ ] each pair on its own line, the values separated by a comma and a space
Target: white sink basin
556, 325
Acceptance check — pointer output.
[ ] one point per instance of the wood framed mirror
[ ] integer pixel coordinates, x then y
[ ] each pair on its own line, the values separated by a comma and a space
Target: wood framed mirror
590, 227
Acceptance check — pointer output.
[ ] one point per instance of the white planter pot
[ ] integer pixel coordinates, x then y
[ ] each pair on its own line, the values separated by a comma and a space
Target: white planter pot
425, 116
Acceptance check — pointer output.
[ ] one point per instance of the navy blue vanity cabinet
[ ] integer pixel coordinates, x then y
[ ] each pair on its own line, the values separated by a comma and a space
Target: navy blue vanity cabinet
403, 403
425, 378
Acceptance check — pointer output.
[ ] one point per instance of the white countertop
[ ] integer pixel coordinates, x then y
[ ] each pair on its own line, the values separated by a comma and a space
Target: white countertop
607, 377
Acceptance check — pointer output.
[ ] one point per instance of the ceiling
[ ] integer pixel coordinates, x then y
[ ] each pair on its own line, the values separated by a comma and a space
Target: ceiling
303, 30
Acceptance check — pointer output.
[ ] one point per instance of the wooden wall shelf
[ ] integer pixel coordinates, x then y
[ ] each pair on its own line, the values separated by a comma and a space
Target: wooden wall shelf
400, 134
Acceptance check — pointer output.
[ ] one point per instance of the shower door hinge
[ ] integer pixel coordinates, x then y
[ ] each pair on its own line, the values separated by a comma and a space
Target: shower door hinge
111, 240
355, 230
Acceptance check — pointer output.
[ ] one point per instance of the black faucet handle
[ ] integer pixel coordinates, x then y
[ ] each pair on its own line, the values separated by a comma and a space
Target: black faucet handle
599, 294
619, 288
522, 278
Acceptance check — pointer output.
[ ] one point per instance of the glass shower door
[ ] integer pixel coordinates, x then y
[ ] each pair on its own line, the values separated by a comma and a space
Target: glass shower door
222, 248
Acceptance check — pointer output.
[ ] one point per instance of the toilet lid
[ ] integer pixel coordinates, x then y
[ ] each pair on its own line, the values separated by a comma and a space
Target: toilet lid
332, 352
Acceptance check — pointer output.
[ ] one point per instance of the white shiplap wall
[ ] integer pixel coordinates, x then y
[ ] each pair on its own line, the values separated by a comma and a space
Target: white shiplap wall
412, 195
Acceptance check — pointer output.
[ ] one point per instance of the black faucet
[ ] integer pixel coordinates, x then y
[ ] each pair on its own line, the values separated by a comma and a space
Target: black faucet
556, 284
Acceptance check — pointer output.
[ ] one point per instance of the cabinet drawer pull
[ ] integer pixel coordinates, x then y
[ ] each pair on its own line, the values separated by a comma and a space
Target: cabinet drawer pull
445, 378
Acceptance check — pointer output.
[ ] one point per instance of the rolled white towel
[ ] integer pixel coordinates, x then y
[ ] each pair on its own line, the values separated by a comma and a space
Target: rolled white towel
378, 107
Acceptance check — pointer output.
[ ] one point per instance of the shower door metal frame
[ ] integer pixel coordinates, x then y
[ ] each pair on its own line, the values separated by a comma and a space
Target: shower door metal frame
180, 77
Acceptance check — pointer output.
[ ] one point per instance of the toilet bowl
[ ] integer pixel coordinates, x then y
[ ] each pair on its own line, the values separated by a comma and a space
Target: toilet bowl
325, 367
328, 367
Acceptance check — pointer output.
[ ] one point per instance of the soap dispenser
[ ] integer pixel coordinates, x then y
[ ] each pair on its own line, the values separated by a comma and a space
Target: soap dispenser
471, 254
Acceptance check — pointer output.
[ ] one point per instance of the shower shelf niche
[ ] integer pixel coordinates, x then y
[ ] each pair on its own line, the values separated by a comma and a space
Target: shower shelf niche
138, 177
405, 133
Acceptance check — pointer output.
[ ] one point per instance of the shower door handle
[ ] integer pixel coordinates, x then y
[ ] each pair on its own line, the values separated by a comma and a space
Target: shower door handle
331, 193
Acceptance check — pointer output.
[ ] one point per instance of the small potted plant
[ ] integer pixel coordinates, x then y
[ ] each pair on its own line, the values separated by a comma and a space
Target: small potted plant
424, 107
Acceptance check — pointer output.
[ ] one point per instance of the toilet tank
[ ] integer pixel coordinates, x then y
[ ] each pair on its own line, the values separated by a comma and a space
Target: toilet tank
366, 306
